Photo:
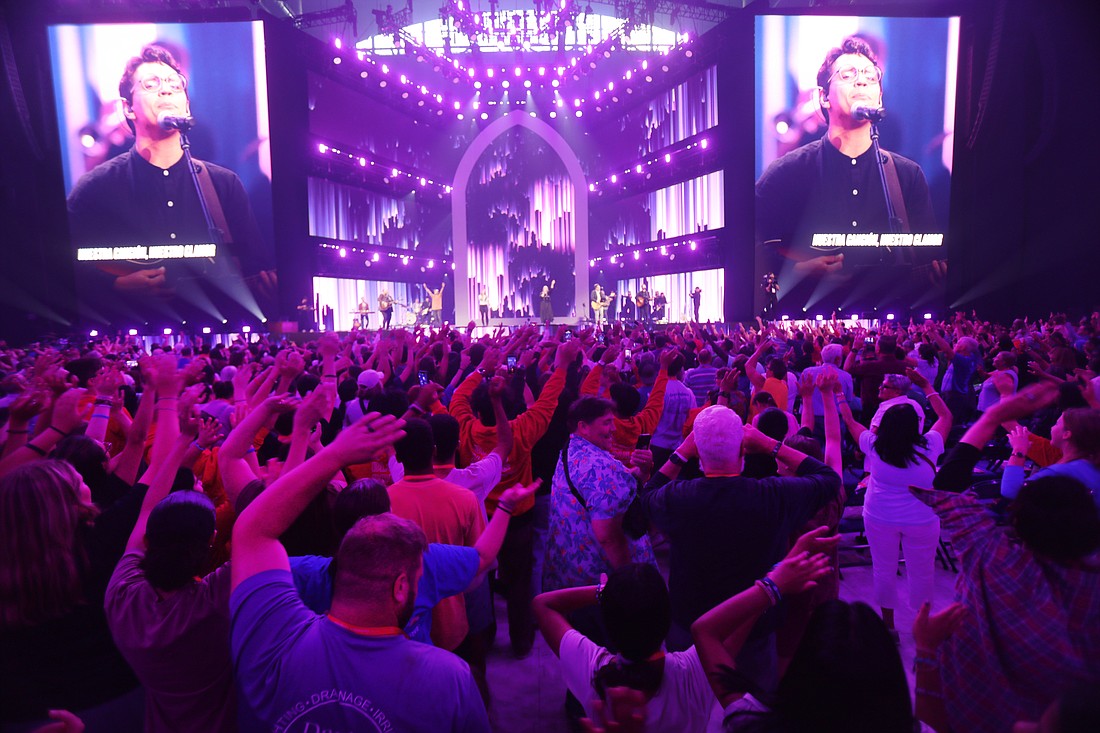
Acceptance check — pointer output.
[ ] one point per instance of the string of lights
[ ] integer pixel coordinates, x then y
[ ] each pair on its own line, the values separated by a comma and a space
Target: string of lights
366, 160
375, 255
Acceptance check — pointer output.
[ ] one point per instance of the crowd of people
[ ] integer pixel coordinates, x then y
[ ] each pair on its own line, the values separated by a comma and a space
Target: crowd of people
263, 535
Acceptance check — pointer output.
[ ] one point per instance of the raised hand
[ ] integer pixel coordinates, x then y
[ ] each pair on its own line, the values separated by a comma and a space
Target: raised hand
513, 497
362, 441
931, 630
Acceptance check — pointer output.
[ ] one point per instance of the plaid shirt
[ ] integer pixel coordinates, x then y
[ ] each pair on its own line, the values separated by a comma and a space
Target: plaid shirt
1033, 628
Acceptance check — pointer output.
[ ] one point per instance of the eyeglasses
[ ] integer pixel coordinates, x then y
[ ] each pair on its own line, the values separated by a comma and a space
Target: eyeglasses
871, 74
174, 83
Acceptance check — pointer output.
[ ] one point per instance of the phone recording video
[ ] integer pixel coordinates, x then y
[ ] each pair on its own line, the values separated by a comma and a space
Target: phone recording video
643, 441
423, 376
512, 362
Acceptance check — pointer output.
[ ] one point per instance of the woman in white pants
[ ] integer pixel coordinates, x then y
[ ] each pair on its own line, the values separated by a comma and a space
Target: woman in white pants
898, 457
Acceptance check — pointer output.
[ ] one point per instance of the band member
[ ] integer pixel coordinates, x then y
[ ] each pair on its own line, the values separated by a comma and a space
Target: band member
660, 305
436, 303
385, 307
599, 304
146, 196
305, 316
627, 310
696, 301
645, 306
770, 286
546, 307
363, 312
483, 305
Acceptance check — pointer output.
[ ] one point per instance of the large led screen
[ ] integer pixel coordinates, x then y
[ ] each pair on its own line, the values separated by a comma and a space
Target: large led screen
827, 88
149, 248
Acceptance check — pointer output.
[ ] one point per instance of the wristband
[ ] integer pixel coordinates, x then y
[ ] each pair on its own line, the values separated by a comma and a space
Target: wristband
35, 448
100, 417
778, 447
195, 444
771, 590
58, 430
104, 401
932, 394
1017, 454
677, 460
506, 510
417, 409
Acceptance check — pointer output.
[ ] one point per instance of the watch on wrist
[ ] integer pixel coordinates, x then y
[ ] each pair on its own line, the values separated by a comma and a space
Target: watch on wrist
677, 460
1018, 454
778, 447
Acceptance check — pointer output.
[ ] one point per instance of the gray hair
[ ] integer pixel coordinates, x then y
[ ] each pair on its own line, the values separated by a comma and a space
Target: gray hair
718, 432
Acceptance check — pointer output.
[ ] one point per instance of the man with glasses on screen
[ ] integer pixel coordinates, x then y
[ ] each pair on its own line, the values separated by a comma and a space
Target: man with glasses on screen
146, 195
832, 185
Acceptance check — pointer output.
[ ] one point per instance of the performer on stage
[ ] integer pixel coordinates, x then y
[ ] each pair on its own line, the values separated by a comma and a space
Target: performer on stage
645, 306
305, 317
146, 196
363, 311
627, 310
832, 185
483, 305
546, 308
660, 305
696, 301
437, 303
385, 307
599, 304
770, 285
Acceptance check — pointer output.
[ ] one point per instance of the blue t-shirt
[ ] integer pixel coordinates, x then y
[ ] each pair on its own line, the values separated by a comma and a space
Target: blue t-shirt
302, 672
1083, 470
448, 570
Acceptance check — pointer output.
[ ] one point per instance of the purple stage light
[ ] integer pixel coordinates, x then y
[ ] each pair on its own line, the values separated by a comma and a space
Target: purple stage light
458, 105
637, 255
167, 332
553, 114
93, 333
517, 70
554, 83
431, 264
614, 178
336, 60
668, 157
374, 257
206, 329
703, 143
889, 316
246, 329
610, 86
693, 246
627, 77
576, 103
395, 172
542, 71
363, 162
484, 115
322, 148
470, 72
337, 42
638, 168
461, 116
343, 252
527, 83
133, 332
504, 84
385, 69
489, 73
579, 113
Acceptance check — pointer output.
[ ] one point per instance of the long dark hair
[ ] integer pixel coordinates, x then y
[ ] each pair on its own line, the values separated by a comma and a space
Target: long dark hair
178, 539
899, 437
845, 677
637, 614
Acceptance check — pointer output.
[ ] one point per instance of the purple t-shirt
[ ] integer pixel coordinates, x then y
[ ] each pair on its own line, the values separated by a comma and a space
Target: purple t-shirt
178, 646
302, 672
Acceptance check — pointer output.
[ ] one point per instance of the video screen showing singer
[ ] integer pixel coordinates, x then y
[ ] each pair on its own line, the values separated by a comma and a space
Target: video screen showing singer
146, 196
833, 185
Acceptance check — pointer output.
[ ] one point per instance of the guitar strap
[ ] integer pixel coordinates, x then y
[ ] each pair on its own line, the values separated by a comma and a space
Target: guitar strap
213, 203
894, 185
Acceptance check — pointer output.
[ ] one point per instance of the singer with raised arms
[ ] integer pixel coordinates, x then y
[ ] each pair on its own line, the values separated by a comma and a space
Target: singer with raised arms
833, 185
146, 196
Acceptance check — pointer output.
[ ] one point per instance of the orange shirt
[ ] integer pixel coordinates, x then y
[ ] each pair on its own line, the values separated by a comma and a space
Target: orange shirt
627, 429
477, 440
